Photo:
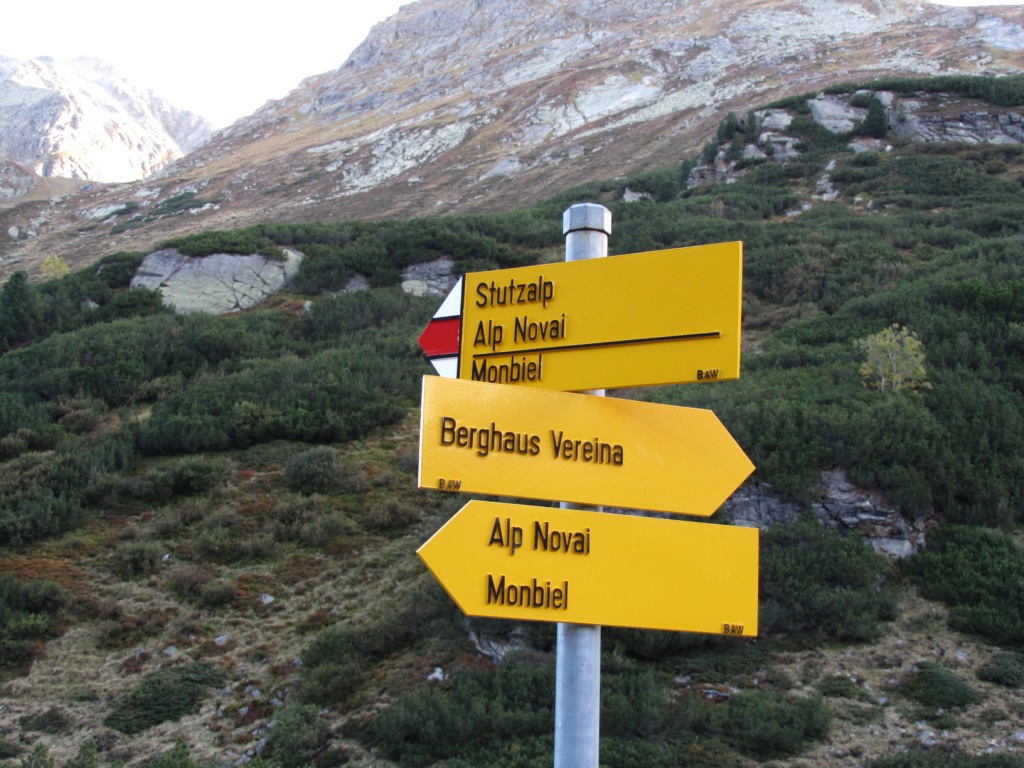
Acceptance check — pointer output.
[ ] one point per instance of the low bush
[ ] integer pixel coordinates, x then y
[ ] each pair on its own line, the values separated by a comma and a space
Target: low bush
841, 686
9, 750
978, 573
189, 580
338, 660
134, 559
767, 724
299, 732
391, 514
245, 242
813, 580
313, 471
53, 721
166, 695
480, 712
218, 594
935, 688
30, 611
469, 716
1003, 668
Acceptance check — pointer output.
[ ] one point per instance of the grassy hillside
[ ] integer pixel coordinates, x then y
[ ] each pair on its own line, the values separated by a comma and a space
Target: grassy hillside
208, 524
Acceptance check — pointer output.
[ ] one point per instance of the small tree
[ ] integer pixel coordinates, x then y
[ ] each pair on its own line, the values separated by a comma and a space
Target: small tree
20, 311
54, 267
875, 125
895, 360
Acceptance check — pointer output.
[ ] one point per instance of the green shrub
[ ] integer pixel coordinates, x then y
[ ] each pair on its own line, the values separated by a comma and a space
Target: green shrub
240, 241
313, 471
166, 695
137, 558
311, 521
9, 750
299, 732
978, 573
30, 611
86, 757
177, 204
228, 543
841, 686
1004, 668
767, 724
189, 580
934, 688
217, 594
652, 644
636, 703
118, 269
195, 475
53, 720
391, 513
39, 757
339, 658
469, 716
814, 580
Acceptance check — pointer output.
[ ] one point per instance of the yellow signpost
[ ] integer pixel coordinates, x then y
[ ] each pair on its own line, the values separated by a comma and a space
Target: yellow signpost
643, 319
510, 561
536, 444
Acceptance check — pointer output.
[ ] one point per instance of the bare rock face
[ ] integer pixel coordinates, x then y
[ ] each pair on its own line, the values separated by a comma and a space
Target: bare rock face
80, 119
15, 181
836, 115
838, 504
916, 118
214, 284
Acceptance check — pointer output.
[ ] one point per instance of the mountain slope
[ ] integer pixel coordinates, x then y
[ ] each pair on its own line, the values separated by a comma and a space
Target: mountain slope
81, 119
230, 503
467, 105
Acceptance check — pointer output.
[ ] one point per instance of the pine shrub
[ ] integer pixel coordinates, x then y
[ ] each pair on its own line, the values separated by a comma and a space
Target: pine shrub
166, 695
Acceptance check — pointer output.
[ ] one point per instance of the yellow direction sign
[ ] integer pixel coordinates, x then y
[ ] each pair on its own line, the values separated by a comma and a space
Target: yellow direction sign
516, 441
661, 317
509, 561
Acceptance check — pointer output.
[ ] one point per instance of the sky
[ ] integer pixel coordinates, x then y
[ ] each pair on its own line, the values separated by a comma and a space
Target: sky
222, 59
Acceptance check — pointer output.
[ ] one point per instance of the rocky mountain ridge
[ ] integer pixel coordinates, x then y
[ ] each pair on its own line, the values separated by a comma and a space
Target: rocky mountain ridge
463, 105
81, 119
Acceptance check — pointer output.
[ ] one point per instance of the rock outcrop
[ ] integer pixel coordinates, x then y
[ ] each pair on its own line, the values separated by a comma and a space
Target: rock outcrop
838, 503
923, 118
215, 284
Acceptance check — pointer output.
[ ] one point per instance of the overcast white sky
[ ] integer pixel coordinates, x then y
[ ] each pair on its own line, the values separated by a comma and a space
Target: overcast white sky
219, 58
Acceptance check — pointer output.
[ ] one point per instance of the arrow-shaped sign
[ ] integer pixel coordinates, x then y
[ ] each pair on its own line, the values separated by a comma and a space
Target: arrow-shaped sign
661, 317
559, 446
440, 339
510, 561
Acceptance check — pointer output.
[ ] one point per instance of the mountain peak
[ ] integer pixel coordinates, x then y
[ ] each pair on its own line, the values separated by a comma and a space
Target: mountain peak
82, 119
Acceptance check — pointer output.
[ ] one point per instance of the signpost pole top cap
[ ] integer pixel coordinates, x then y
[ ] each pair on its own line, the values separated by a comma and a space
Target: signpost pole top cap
584, 216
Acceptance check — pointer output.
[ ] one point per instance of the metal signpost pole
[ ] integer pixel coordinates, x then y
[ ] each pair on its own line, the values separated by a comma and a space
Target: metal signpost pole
578, 662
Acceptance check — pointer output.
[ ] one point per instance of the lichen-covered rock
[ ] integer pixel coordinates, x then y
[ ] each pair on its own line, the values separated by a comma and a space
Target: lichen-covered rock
215, 284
